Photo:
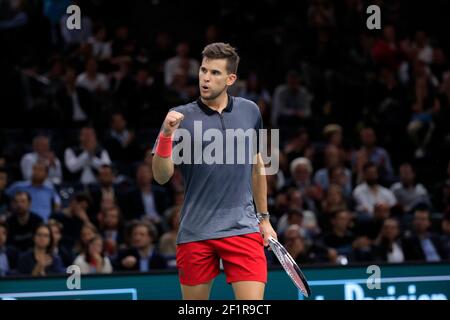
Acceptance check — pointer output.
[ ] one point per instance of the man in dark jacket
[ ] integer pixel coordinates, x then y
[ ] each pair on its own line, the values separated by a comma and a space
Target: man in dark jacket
142, 255
422, 244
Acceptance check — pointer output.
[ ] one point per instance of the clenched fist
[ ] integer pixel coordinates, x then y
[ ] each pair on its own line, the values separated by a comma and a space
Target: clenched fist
171, 123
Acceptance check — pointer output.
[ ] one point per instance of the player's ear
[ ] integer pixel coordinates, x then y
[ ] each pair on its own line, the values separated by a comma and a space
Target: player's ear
231, 78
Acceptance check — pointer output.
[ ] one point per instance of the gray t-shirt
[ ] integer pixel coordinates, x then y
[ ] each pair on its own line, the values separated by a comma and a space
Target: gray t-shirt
218, 197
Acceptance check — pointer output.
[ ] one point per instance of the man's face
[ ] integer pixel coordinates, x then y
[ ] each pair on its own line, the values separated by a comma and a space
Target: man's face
118, 123
371, 175
342, 220
301, 173
140, 237
111, 219
39, 173
214, 78
421, 221
368, 138
41, 145
22, 204
390, 228
406, 174
106, 176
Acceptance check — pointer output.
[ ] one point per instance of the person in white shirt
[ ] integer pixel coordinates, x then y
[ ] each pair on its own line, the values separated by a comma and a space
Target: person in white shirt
407, 192
92, 80
180, 61
94, 260
387, 245
86, 159
101, 49
41, 153
369, 194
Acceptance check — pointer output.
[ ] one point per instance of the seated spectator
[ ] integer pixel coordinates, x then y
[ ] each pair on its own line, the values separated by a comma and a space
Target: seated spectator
369, 193
101, 48
44, 198
58, 249
254, 90
91, 79
110, 223
168, 241
332, 202
303, 251
291, 102
8, 254
421, 244
106, 187
87, 233
73, 218
93, 260
181, 59
299, 146
407, 192
22, 223
142, 255
40, 259
42, 152
370, 152
146, 200
340, 237
301, 171
4, 199
388, 246
333, 161
85, 160
121, 142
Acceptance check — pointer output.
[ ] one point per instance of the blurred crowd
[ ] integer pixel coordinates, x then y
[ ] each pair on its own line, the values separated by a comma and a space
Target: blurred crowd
363, 117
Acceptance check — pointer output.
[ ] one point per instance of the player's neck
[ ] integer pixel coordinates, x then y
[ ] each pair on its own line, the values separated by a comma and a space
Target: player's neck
219, 103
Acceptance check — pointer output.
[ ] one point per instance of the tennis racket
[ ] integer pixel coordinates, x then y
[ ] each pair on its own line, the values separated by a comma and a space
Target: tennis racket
291, 267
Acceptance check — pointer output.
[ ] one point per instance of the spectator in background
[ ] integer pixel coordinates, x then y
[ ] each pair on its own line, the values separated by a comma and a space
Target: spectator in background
93, 260
407, 192
111, 230
4, 199
301, 171
40, 259
85, 160
42, 152
56, 228
101, 48
340, 237
254, 91
333, 201
386, 50
370, 194
147, 200
299, 146
303, 251
441, 192
87, 233
168, 241
8, 254
75, 104
44, 198
73, 218
332, 161
91, 79
388, 245
291, 102
142, 255
369, 151
22, 223
105, 188
422, 244
120, 141
180, 61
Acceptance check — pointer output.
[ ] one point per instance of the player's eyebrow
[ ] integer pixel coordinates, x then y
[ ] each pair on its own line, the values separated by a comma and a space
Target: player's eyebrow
202, 68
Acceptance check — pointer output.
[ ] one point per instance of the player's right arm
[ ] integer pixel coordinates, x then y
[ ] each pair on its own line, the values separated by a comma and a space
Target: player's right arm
162, 164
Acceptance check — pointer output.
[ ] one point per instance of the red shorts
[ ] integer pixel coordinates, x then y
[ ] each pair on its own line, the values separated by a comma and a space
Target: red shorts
242, 256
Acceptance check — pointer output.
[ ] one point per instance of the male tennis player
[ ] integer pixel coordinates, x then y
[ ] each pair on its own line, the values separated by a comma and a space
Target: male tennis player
218, 218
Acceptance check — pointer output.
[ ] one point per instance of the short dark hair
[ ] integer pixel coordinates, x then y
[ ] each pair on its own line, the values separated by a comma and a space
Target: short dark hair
220, 50
23, 192
369, 165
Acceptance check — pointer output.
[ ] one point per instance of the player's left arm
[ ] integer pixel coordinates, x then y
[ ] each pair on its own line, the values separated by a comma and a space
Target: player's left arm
260, 197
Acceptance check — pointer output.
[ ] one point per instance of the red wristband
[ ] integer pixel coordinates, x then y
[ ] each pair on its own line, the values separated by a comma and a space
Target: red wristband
164, 147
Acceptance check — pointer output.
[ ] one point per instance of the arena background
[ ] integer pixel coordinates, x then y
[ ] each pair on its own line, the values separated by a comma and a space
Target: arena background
350, 85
